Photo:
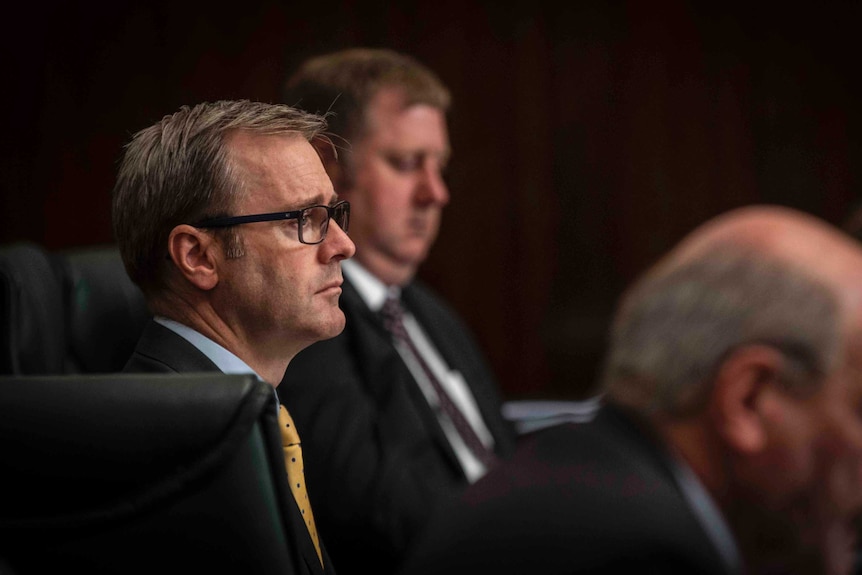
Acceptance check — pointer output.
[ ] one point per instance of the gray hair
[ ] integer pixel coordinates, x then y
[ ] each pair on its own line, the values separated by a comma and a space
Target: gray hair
179, 170
675, 328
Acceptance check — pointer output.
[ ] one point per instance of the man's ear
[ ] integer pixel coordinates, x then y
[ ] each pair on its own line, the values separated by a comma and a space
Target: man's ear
195, 253
743, 395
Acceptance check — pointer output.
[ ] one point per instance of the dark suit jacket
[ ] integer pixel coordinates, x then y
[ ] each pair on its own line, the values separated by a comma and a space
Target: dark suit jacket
376, 454
161, 350
594, 497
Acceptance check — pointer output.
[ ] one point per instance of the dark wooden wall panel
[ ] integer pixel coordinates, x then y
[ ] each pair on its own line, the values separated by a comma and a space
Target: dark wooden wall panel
588, 137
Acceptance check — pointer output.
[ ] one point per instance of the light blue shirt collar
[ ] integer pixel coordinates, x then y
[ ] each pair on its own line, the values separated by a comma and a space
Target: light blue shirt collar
224, 359
707, 513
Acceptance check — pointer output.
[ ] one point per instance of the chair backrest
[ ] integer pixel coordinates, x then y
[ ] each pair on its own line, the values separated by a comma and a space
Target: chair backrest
105, 311
32, 314
142, 473
71, 311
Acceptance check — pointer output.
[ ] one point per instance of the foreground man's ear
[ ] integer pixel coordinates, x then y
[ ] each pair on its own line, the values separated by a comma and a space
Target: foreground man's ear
194, 252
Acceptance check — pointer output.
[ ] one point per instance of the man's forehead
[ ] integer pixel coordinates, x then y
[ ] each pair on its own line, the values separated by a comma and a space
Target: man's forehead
391, 101
284, 166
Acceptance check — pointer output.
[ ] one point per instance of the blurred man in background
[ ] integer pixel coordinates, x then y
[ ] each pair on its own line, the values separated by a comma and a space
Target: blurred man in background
402, 405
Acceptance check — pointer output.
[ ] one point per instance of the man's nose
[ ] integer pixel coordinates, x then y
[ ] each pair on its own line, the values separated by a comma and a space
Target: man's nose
432, 187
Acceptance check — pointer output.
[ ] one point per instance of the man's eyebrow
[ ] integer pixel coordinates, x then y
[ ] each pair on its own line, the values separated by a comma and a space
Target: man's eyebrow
443, 156
316, 200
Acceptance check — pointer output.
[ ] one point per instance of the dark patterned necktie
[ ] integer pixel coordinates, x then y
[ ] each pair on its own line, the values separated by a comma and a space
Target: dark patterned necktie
393, 315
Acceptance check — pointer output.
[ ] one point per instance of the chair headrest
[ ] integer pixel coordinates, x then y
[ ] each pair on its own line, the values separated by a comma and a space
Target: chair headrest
73, 311
106, 312
32, 318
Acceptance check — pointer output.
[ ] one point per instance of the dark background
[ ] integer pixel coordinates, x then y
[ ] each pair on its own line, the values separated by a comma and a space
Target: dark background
587, 137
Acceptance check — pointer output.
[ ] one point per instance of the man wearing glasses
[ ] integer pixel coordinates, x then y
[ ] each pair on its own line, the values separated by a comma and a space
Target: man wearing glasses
228, 222
402, 419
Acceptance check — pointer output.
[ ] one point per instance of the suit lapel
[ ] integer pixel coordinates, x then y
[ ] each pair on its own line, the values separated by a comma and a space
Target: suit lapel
303, 540
165, 346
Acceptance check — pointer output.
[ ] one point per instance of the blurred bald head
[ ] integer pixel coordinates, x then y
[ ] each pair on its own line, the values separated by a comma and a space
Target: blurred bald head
788, 235
760, 274
742, 349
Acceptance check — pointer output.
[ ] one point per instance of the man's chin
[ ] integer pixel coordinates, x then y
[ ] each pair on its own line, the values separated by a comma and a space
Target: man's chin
333, 327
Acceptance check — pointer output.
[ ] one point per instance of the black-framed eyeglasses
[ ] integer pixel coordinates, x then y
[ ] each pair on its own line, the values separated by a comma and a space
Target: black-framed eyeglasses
313, 220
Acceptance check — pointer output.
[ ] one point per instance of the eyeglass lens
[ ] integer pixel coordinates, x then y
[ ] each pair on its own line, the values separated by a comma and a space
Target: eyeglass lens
315, 222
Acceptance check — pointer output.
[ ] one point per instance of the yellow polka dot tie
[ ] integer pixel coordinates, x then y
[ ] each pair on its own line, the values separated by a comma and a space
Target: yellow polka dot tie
296, 473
